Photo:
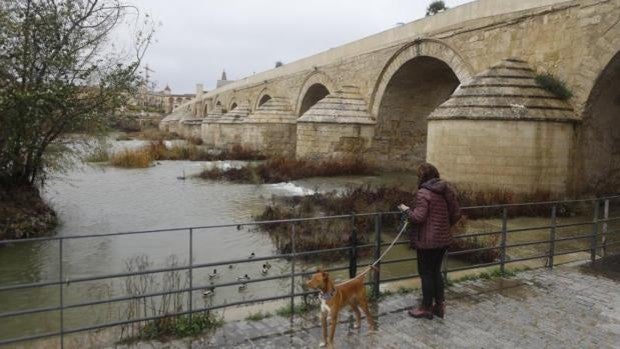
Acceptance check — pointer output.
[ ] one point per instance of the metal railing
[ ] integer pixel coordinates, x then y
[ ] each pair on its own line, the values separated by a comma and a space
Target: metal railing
597, 237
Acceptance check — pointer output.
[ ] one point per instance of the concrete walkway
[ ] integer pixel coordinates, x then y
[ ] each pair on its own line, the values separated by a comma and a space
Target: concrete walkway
569, 307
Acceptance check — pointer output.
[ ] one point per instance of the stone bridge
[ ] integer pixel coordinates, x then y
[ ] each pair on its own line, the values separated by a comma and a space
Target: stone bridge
457, 89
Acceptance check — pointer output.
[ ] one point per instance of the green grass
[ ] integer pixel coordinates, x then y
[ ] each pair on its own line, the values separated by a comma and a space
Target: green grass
286, 311
493, 274
258, 316
123, 137
176, 327
405, 290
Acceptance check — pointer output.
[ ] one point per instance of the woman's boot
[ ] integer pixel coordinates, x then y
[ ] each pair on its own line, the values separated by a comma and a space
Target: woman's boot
421, 312
439, 309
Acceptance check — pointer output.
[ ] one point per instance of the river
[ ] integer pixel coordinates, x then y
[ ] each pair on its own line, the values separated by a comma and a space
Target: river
96, 199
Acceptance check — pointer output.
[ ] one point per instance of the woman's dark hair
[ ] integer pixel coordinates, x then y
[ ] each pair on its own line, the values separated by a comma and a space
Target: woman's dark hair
426, 172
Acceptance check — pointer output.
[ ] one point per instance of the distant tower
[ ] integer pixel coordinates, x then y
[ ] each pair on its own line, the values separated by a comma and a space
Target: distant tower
168, 100
223, 81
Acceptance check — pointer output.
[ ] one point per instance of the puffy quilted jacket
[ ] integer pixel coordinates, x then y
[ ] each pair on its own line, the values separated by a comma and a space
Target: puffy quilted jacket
436, 210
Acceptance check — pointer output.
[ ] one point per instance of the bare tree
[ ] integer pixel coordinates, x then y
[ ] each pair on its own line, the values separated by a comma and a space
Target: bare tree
60, 74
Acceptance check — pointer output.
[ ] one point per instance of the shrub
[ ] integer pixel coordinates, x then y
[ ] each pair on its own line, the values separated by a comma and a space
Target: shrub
302, 308
316, 235
282, 169
123, 137
435, 7
195, 140
165, 326
98, 154
258, 316
554, 85
154, 134
137, 158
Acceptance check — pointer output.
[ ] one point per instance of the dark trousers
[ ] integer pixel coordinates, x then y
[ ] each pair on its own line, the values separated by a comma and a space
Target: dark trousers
429, 268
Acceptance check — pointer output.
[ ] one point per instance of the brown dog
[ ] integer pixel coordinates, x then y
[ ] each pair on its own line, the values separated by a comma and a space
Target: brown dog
335, 297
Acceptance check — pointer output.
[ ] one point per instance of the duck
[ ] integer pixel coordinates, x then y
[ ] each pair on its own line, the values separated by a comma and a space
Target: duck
213, 274
243, 278
243, 287
230, 266
252, 255
265, 270
209, 292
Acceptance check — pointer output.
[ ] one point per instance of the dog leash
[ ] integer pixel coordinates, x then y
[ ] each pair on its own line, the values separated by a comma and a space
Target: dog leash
373, 265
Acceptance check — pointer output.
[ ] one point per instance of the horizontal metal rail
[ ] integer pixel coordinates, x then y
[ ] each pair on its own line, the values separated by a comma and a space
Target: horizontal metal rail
352, 249
289, 221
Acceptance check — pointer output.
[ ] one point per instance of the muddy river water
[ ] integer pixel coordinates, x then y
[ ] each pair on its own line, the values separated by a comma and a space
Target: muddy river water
95, 199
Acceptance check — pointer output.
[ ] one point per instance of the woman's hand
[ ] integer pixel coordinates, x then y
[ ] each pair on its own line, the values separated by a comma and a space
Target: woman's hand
403, 207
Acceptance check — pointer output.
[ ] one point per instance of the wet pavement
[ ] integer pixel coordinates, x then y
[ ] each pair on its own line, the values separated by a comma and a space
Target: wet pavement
568, 307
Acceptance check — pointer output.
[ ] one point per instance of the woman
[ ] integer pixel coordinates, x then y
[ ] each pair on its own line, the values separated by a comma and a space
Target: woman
436, 210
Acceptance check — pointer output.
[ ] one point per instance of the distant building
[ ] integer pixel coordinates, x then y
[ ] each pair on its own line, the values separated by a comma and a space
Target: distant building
163, 101
223, 81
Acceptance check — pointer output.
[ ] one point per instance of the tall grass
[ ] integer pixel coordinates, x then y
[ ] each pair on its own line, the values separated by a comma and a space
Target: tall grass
281, 169
157, 150
154, 134
132, 158
143, 306
326, 234
98, 154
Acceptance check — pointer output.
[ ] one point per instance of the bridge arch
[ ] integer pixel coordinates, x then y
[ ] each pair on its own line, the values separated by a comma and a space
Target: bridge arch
316, 86
423, 47
416, 80
263, 97
601, 131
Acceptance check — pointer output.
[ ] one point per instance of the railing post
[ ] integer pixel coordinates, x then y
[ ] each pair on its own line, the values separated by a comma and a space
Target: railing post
554, 212
61, 293
353, 250
191, 274
293, 270
377, 271
502, 256
605, 229
594, 232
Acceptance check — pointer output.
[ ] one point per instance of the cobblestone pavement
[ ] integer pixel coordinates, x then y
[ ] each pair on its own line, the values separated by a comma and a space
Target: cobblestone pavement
563, 308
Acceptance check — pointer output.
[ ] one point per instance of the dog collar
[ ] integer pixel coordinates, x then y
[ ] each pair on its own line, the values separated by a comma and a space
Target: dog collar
326, 295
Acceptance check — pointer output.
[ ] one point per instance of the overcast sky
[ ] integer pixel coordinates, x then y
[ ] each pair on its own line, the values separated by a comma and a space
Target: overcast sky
198, 39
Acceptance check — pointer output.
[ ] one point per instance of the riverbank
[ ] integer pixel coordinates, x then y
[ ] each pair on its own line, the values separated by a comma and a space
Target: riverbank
282, 169
24, 214
333, 233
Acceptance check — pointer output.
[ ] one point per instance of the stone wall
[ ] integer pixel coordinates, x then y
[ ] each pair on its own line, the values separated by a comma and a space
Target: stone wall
520, 156
276, 139
329, 140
